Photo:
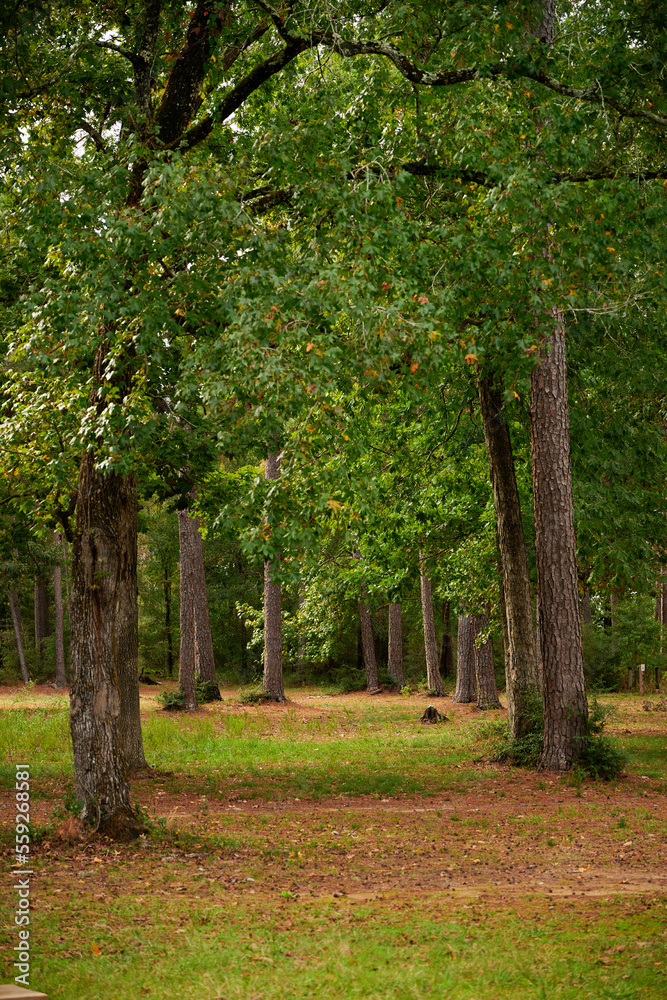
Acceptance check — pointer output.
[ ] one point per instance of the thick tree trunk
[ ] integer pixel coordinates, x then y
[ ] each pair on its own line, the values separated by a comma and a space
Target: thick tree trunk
395, 657
368, 647
447, 647
167, 621
42, 622
15, 608
61, 677
433, 678
186, 662
105, 522
565, 706
273, 630
487, 691
465, 661
520, 659
199, 631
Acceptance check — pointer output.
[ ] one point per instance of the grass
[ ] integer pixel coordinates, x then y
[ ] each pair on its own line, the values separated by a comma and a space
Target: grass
337, 848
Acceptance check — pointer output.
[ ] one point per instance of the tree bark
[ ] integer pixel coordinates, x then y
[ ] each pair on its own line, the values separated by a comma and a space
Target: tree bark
200, 629
433, 678
465, 661
15, 608
42, 623
186, 662
395, 657
565, 706
273, 632
61, 677
447, 648
520, 659
487, 691
101, 579
368, 646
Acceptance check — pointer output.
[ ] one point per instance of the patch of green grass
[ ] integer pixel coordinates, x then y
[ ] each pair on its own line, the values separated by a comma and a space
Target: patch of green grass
296, 949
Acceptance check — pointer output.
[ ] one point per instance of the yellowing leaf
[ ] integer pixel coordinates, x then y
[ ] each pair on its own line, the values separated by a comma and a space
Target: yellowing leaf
516, 394
334, 505
96, 950
309, 347
414, 366
471, 358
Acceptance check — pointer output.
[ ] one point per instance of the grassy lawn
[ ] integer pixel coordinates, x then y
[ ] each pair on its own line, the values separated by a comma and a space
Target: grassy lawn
334, 847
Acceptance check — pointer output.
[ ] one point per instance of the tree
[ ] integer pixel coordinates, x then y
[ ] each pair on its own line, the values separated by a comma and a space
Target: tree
195, 623
395, 656
273, 637
433, 678
465, 660
485, 679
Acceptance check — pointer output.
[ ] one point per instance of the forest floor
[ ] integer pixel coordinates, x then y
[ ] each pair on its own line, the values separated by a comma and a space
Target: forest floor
335, 847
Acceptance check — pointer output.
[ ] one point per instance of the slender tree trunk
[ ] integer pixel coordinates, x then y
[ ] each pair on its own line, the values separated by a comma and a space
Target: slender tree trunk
15, 608
127, 636
301, 652
204, 659
586, 615
565, 706
61, 677
433, 678
520, 659
167, 621
65, 563
447, 648
465, 661
368, 646
395, 657
186, 662
105, 524
487, 691
42, 623
273, 631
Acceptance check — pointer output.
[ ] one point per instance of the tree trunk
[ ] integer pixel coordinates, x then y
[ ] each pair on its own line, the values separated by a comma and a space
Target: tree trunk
167, 621
368, 646
447, 648
42, 623
273, 631
487, 691
520, 659
186, 662
465, 661
61, 677
127, 635
586, 615
65, 562
201, 627
565, 706
15, 608
433, 678
395, 657
105, 523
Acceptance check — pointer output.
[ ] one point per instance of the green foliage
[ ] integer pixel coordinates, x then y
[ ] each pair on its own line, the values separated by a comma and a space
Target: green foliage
171, 701
207, 691
254, 696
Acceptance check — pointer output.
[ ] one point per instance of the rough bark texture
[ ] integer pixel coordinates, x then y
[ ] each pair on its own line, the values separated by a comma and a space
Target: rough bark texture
42, 622
565, 706
273, 631
447, 647
433, 678
520, 659
15, 608
59, 624
395, 658
487, 691
368, 646
465, 661
186, 662
199, 629
106, 518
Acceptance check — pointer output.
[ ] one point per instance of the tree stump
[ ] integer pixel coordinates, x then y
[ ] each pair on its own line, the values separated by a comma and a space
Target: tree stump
432, 715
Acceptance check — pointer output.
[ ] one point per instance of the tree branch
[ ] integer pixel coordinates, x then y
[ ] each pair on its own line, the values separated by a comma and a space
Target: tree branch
596, 95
